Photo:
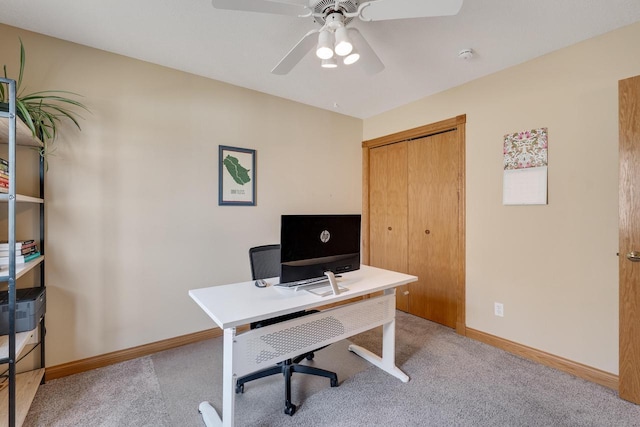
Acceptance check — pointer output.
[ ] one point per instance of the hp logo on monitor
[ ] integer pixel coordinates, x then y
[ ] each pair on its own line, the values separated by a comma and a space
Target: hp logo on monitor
325, 236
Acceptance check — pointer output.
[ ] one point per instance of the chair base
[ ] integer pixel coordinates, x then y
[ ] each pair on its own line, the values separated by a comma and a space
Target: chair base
287, 368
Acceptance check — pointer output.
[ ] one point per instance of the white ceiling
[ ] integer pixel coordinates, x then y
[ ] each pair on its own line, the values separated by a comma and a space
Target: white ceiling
420, 55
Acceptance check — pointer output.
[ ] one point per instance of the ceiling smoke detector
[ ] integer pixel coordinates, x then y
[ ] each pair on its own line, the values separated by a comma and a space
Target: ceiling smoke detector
465, 54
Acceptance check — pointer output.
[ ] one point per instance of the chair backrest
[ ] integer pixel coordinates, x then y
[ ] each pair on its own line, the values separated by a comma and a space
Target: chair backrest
265, 261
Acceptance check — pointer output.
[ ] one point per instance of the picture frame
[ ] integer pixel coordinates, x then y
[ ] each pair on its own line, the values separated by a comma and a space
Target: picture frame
236, 176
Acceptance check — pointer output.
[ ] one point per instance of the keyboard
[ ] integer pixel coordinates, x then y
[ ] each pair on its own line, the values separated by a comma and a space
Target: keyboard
305, 282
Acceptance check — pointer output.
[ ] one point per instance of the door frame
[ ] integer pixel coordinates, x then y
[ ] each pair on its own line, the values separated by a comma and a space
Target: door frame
456, 123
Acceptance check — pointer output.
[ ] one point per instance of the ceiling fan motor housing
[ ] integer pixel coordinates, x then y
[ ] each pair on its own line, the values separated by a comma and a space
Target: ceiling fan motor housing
324, 9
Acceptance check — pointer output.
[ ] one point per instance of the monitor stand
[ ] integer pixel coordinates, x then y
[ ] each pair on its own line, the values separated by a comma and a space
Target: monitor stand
333, 282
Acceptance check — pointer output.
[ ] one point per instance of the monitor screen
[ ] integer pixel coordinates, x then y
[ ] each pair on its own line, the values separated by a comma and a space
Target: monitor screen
313, 244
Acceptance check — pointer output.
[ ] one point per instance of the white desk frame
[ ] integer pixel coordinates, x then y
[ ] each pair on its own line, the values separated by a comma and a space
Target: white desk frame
239, 304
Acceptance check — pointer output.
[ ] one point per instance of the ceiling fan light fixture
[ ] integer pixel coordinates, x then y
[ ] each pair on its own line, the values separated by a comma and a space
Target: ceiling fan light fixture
343, 46
325, 42
352, 58
329, 63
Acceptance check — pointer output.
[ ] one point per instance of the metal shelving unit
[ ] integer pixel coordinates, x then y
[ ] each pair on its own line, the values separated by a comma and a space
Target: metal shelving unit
18, 391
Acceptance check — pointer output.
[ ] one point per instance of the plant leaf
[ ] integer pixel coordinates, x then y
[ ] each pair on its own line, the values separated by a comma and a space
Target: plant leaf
2, 86
22, 61
51, 94
24, 109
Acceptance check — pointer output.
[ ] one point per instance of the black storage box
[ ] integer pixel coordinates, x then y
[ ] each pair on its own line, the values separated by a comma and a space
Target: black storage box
30, 307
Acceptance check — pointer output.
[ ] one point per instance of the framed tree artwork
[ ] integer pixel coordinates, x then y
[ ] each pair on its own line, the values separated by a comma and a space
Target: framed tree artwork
236, 176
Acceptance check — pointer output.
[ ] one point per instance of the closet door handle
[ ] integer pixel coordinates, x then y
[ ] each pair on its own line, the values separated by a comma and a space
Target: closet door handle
427, 231
633, 256
389, 228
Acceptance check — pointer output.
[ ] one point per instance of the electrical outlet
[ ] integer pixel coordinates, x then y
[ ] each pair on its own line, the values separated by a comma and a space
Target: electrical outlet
498, 309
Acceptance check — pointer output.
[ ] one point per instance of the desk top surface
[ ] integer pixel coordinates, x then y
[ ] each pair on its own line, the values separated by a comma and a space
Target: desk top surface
242, 303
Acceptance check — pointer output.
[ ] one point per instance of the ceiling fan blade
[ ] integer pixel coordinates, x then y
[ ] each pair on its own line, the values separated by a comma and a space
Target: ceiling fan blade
291, 7
369, 61
296, 53
379, 10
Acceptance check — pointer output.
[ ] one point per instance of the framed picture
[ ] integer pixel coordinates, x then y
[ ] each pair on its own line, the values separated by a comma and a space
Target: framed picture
236, 176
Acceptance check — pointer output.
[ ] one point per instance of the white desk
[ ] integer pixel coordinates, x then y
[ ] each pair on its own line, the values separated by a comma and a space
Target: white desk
242, 303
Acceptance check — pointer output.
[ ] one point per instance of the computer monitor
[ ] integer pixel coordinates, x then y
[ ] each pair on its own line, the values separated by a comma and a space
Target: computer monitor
313, 244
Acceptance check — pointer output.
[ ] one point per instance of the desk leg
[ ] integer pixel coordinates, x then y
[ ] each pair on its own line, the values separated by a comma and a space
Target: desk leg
388, 361
209, 414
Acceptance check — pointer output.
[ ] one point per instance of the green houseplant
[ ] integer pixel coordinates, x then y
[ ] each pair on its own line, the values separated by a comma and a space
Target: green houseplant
41, 111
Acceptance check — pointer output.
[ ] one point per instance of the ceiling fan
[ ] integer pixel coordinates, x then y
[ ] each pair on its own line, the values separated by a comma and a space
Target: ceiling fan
333, 40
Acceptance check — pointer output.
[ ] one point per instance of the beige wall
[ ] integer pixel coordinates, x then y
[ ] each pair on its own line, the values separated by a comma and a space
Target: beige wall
133, 221
553, 267
132, 215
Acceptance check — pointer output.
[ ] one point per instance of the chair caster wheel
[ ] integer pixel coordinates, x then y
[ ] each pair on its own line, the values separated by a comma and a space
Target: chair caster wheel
290, 410
239, 388
334, 383
310, 356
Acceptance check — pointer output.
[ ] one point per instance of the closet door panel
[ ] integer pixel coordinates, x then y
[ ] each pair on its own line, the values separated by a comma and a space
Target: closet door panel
388, 211
433, 202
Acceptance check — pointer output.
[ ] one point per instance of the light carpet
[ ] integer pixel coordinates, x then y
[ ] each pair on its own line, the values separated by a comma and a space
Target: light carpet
455, 381
125, 394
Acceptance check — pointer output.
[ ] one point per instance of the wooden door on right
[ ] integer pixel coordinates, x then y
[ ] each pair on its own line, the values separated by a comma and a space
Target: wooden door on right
434, 172
629, 239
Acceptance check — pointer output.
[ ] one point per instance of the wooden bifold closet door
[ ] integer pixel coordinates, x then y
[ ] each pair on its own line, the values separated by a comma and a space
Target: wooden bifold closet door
413, 216
388, 212
433, 227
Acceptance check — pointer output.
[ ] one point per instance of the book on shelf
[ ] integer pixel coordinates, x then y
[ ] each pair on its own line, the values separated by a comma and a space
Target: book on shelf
26, 250
4, 176
20, 259
4, 246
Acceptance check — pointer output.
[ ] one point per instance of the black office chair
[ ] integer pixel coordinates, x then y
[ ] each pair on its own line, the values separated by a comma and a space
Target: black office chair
265, 263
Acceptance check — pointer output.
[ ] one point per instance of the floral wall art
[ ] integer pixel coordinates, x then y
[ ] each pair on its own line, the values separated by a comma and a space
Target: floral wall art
525, 167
